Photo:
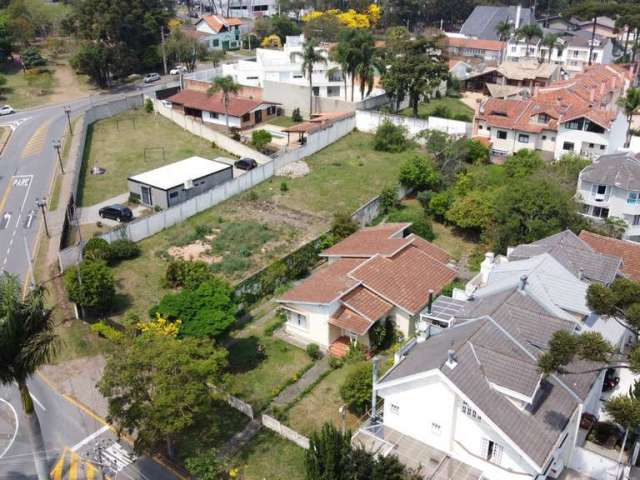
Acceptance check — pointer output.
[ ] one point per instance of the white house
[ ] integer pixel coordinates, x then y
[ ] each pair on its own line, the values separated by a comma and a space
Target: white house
221, 33
610, 187
253, 8
470, 402
378, 274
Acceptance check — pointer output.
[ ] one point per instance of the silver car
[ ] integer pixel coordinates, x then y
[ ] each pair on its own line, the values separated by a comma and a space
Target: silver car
151, 77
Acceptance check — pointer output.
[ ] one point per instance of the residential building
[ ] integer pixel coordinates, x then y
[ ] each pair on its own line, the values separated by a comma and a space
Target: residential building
628, 251
470, 402
178, 182
484, 19
605, 26
244, 112
253, 8
221, 33
511, 78
486, 50
378, 274
610, 187
578, 115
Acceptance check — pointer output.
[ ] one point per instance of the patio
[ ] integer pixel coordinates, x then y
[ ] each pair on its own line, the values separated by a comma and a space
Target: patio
432, 464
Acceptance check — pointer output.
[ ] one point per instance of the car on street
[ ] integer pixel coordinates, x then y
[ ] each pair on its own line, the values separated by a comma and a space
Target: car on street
246, 164
117, 212
178, 70
151, 77
6, 110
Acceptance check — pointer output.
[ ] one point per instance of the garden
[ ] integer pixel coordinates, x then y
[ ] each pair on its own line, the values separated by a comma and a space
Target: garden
444, 107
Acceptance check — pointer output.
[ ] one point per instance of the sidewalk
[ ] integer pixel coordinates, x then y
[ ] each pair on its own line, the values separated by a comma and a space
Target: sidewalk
293, 391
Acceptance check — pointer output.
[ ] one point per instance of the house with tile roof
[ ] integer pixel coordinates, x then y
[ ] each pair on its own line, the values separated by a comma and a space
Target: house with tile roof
627, 251
484, 19
379, 274
468, 402
477, 48
610, 187
221, 33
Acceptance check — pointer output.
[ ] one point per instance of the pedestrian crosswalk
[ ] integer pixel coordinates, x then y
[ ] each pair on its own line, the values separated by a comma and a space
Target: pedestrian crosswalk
71, 465
117, 457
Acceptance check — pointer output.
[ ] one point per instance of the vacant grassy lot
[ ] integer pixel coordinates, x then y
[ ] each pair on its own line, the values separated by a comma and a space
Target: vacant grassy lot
453, 105
281, 121
26, 89
131, 143
271, 457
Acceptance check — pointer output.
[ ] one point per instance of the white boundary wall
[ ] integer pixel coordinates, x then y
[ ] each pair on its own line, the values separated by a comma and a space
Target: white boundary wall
593, 465
284, 431
369, 121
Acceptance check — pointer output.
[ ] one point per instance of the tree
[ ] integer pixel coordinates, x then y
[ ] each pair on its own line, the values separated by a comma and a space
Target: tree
549, 41
27, 341
310, 56
419, 174
260, 139
630, 103
159, 386
345, 55
283, 26
6, 38
473, 211
184, 50
620, 300
226, 86
356, 389
271, 41
97, 249
329, 455
324, 28
614, 227
91, 285
343, 225
390, 138
528, 33
32, 58
523, 163
504, 29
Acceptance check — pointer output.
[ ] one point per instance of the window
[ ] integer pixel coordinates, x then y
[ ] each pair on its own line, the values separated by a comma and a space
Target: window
436, 428
492, 451
502, 134
568, 146
522, 138
543, 118
599, 189
470, 412
480, 127
395, 409
591, 145
246, 117
213, 115
173, 194
216, 43
635, 221
296, 319
600, 212
553, 139
488, 129
601, 147
633, 198
544, 137
252, 78
297, 75
316, 91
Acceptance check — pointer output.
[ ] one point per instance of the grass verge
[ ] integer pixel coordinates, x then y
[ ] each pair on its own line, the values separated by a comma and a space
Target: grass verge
454, 106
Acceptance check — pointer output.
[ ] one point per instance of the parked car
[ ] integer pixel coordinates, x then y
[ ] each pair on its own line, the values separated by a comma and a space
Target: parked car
151, 77
6, 110
116, 212
587, 421
611, 381
178, 70
166, 103
246, 164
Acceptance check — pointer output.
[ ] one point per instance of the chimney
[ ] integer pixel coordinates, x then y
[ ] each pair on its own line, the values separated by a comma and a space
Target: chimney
374, 381
518, 12
486, 266
451, 359
430, 302
523, 283
581, 274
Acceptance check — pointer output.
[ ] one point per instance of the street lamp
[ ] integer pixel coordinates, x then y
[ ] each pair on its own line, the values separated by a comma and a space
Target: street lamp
42, 203
57, 145
67, 110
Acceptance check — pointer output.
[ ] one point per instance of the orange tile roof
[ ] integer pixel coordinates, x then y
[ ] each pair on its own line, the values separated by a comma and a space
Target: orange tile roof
366, 303
430, 249
217, 23
370, 241
477, 43
238, 105
349, 320
628, 251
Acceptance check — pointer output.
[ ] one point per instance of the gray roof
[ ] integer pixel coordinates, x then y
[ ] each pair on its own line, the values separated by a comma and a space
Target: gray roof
483, 20
501, 349
574, 254
582, 38
621, 170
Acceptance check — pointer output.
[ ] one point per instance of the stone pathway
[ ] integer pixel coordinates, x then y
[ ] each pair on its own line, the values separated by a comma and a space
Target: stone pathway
292, 392
240, 439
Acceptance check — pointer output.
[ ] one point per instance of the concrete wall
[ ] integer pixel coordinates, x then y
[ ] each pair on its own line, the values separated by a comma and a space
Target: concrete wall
369, 121
593, 465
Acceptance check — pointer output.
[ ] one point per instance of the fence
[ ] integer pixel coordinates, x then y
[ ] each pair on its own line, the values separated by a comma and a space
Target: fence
372, 209
369, 121
235, 402
594, 465
285, 432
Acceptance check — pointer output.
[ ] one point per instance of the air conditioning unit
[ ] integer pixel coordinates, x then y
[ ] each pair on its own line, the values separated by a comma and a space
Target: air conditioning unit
188, 184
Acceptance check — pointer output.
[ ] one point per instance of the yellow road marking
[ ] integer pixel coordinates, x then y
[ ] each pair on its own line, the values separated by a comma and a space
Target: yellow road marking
5, 197
91, 471
56, 473
35, 144
73, 469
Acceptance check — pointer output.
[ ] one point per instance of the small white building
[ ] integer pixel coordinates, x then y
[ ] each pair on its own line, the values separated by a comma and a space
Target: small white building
610, 187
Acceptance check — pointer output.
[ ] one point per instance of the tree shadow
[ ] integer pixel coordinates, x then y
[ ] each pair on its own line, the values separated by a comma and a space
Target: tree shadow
121, 303
246, 354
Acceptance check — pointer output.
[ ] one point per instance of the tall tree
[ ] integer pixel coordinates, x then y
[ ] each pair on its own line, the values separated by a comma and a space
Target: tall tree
226, 86
345, 55
630, 103
366, 62
549, 41
181, 49
504, 29
310, 56
27, 341
528, 33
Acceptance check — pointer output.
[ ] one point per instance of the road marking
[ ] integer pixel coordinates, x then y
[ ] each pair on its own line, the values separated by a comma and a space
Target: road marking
38, 402
35, 145
91, 471
86, 440
56, 473
73, 468
118, 457
6, 195
13, 437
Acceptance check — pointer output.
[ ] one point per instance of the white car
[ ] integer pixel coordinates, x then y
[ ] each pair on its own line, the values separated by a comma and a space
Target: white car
6, 110
178, 70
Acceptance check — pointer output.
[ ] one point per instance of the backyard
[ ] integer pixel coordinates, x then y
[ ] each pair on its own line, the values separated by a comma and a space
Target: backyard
130, 143
271, 457
453, 107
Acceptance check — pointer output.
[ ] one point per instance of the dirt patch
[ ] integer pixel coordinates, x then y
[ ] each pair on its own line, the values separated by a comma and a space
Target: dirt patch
69, 86
294, 170
194, 251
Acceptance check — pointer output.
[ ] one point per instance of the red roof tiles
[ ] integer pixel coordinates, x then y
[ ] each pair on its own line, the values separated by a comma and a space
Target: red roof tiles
366, 303
238, 105
628, 251
476, 43
350, 320
218, 23
384, 239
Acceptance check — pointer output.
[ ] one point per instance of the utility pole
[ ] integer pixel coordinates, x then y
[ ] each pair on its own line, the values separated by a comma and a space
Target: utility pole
67, 110
42, 203
164, 52
57, 145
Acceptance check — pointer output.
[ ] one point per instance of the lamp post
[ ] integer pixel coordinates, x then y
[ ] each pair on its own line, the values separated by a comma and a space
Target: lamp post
67, 111
42, 203
57, 145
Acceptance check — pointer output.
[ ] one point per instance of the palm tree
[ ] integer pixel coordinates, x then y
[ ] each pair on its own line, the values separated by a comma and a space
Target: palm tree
549, 41
348, 55
338, 55
27, 341
503, 29
228, 87
310, 55
367, 66
528, 33
630, 103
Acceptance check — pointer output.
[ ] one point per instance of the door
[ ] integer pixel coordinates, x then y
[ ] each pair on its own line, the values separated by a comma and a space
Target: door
258, 116
225, 45
147, 199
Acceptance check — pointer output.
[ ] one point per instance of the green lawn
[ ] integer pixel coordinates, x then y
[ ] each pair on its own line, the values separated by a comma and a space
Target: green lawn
321, 404
131, 143
270, 457
454, 106
26, 89
281, 121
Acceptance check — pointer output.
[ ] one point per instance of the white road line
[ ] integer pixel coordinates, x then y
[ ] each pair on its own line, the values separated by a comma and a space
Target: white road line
15, 434
38, 402
10, 243
86, 440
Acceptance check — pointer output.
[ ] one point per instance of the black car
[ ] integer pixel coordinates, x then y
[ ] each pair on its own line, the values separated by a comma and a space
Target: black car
246, 164
116, 212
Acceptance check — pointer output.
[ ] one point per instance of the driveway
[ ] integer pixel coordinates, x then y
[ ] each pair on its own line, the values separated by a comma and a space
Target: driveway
90, 214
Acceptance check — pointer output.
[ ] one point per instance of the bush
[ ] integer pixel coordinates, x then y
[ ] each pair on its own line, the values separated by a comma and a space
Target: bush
389, 199
343, 225
284, 186
187, 274
235, 133
441, 111
96, 290
278, 322
423, 199
390, 138
477, 152
260, 139
32, 58
335, 362
462, 117
106, 331
440, 202
124, 249
382, 335
97, 249
296, 116
355, 354
419, 173
420, 223
356, 389
313, 350
148, 105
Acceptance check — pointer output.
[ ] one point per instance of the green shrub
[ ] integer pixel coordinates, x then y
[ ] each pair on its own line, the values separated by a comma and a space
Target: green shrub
185, 273
356, 389
313, 350
148, 105
106, 331
96, 289
284, 186
97, 249
420, 223
419, 173
296, 116
389, 199
382, 335
355, 354
260, 139
124, 249
441, 111
235, 133
462, 117
275, 324
390, 138
447, 290
440, 202
343, 225
32, 58
335, 362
